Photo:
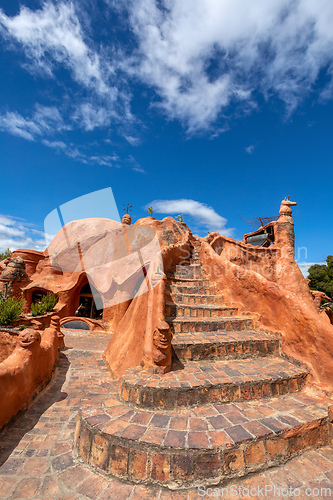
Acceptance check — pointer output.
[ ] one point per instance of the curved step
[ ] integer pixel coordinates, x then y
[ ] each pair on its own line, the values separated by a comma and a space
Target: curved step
180, 310
186, 447
204, 382
187, 273
189, 281
226, 345
191, 325
188, 298
190, 288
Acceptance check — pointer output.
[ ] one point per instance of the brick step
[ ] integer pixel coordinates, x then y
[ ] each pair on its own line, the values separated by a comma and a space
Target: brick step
207, 445
197, 325
203, 382
179, 310
226, 345
190, 288
187, 274
195, 260
188, 298
198, 281
180, 268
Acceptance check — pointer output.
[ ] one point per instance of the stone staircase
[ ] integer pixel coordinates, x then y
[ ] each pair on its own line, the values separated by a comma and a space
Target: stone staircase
231, 405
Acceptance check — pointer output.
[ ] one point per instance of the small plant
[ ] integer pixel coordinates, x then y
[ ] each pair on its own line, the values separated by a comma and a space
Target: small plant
6, 294
49, 300
150, 211
44, 305
10, 310
6, 254
179, 217
37, 309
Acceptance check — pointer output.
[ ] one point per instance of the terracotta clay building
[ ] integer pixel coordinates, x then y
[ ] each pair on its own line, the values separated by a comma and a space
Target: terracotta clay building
207, 335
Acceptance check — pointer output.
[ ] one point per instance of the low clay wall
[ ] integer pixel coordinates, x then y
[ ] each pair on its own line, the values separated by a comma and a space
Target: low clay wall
8, 343
28, 368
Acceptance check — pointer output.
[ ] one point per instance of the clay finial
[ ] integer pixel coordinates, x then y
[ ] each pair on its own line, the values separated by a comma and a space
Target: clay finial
285, 206
126, 219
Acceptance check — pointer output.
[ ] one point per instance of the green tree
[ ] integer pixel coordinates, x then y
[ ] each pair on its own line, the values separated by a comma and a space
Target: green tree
6, 254
321, 277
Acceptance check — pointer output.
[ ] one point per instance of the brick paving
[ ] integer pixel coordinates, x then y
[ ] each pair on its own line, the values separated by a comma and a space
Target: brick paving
36, 448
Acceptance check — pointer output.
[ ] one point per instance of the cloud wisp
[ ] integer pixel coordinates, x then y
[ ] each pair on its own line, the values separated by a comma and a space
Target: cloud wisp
56, 46
205, 216
17, 233
53, 35
45, 120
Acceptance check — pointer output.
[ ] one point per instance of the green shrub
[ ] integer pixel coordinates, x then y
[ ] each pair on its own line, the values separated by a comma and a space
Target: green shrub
49, 300
37, 309
44, 305
6, 254
10, 310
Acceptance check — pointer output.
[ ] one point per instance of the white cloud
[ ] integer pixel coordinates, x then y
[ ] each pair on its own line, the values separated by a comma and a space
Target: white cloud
106, 160
204, 215
52, 38
304, 267
200, 56
44, 120
89, 117
136, 167
250, 149
133, 141
15, 233
52, 35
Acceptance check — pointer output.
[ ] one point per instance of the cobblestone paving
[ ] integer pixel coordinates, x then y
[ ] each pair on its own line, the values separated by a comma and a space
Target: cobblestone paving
36, 460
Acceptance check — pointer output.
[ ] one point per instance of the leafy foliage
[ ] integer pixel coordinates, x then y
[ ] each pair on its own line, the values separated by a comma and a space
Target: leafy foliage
44, 305
321, 277
10, 310
6, 254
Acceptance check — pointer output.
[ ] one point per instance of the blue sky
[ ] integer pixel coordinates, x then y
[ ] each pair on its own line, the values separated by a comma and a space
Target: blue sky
213, 109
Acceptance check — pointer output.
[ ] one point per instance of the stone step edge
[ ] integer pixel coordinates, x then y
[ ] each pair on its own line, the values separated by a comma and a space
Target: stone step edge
177, 298
186, 284
174, 468
210, 307
183, 323
211, 296
195, 319
229, 349
200, 395
200, 280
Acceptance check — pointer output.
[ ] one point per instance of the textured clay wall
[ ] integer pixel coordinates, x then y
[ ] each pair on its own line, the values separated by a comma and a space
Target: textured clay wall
28, 368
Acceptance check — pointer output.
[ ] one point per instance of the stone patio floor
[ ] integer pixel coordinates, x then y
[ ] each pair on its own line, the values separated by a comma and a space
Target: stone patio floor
36, 459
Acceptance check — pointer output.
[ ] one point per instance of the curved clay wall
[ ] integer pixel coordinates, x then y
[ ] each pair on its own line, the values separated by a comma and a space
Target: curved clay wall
281, 305
133, 342
7, 344
28, 368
